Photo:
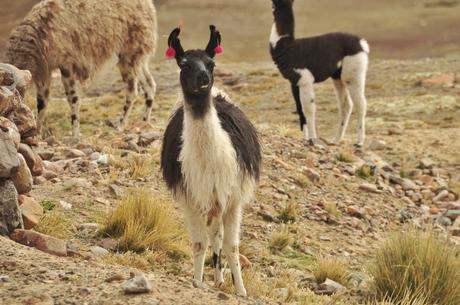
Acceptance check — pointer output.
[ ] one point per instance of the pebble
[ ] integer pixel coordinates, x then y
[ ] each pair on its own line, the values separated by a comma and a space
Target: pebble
74, 153
427, 163
377, 145
313, 175
65, 205
369, 187
354, 211
4, 278
98, 251
329, 287
441, 195
137, 284
223, 296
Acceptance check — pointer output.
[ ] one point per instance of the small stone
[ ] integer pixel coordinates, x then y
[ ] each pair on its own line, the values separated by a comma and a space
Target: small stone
114, 278
33, 160
441, 196
354, 211
313, 175
137, 284
395, 131
329, 287
4, 278
48, 175
444, 221
408, 184
46, 154
74, 153
40, 241
267, 216
90, 226
65, 205
98, 251
281, 293
148, 137
434, 211
22, 179
427, 163
39, 180
223, 296
455, 232
377, 145
369, 187
95, 156
116, 190
39, 298
109, 244
31, 211
245, 262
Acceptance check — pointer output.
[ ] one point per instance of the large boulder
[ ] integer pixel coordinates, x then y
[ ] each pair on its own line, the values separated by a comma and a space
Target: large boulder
14, 78
10, 128
24, 119
22, 179
40, 241
32, 212
33, 160
10, 214
9, 161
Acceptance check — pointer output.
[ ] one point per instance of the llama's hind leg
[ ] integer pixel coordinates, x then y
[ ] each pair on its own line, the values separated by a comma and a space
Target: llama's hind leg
216, 235
307, 97
354, 75
232, 220
345, 108
149, 85
129, 75
69, 87
196, 224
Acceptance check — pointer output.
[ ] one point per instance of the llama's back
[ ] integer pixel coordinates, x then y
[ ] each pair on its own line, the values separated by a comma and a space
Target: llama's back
81, 35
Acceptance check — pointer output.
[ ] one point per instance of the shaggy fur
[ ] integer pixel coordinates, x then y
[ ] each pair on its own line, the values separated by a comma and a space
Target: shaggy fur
340, 56
78, 37
211, 161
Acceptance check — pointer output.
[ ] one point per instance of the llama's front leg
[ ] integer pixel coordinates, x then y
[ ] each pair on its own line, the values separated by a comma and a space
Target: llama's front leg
232, 220
307, 97
69, 86
216, 235
42, 106
359, 100
196, 224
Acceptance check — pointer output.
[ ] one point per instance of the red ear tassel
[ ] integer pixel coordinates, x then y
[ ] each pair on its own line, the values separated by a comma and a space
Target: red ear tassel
219, 49
170, 53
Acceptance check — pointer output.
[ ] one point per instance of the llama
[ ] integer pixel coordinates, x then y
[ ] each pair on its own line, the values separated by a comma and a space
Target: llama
340, 56
78, 37
210, 160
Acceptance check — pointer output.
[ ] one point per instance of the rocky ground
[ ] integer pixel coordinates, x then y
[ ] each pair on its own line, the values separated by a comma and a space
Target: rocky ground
328, 201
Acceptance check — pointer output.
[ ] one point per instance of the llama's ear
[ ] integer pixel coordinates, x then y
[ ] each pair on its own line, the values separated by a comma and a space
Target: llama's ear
215, 40
175, 49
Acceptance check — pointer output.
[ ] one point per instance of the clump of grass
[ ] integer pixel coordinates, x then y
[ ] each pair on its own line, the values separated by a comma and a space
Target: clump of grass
302, 181
47, 205
416, 263
140, 166
364, 172
142, 261
331, 268
280, 239
253, 282
331, 208
455, 186
143, 222
346, 156
289, 213
56, 224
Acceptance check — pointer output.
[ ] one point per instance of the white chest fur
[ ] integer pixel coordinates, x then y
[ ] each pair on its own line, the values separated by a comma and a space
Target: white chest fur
209, 164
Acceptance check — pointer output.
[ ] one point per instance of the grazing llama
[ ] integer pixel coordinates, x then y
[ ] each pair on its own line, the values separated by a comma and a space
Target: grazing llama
210, 160
341, 56
78, 37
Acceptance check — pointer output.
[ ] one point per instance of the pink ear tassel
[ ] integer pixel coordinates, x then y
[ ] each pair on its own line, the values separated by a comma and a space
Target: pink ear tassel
219, 49
170, 53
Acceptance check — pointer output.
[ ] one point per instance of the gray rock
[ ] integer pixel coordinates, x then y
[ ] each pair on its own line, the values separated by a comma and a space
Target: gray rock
148, 137
9, 161
427, 163
98, 251
444, 221
408, 184
377, 145
313, 175
329, 287
369, 187
4, 278
137, 284
10, 214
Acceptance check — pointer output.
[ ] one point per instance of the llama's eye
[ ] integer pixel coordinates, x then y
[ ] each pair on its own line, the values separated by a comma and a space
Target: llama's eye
211, 66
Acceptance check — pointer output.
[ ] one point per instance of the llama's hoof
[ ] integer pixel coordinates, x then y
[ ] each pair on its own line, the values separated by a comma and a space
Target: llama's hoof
358, 146
316, 143
242, 293
199, 284
114, 123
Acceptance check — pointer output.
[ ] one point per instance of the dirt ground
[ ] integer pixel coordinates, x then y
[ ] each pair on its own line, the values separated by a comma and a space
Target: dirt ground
411, 41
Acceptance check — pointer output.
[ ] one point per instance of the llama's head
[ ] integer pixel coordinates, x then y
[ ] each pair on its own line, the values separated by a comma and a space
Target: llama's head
283, 13
196, 66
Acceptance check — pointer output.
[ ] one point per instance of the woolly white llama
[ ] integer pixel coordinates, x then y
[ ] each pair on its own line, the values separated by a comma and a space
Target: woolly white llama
210, 160
78, 37
340, 56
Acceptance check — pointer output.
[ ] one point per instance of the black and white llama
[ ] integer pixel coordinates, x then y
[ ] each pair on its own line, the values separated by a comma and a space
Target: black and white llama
341, 56
210, 160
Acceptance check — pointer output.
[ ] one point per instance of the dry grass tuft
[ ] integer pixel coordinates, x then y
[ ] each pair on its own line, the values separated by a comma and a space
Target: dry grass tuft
140, 166
280, 239
417, 263
331, 208
143, 222
302, 181
346, 156
331, 268
290, 212
56, 224
131, 259
364, 172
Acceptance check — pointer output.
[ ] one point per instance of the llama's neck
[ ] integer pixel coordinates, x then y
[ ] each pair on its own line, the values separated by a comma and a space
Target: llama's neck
209, 164
283, 27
